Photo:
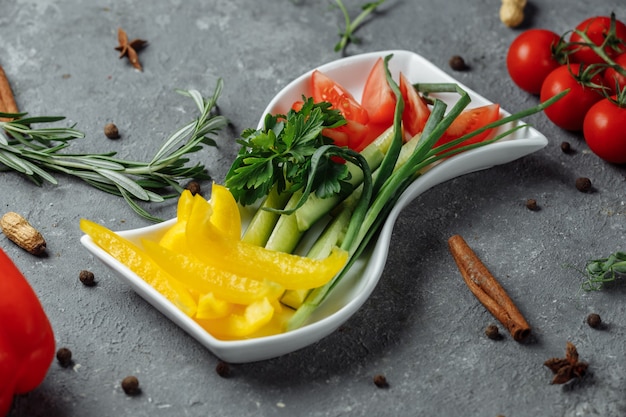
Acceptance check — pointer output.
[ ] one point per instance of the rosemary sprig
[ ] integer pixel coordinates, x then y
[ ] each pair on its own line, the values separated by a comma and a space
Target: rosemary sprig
37, 153
347, 35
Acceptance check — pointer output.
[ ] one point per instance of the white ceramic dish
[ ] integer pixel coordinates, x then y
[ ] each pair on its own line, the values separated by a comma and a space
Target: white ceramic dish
357, 286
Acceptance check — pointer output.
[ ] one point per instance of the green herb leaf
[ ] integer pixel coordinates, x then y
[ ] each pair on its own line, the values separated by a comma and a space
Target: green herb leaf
280, 153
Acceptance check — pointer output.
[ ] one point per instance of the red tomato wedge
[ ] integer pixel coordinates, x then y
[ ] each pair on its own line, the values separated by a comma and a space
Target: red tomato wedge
326, 89
416, 110
352, 134
468, 121
378, 98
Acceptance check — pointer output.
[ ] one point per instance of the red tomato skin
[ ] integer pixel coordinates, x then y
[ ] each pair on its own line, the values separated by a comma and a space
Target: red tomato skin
530, 58
611, 76
569, 112
604, 130
468, 121
416, 111
596, 29
326, 89
378, 98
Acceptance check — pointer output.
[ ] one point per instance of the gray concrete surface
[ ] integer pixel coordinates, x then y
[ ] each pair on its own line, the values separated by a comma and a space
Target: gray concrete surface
421, 328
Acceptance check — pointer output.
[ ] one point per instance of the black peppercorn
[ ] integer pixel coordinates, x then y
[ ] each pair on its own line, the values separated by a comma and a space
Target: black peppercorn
583, 184
111, 131
130, 385
492, 332
531, 204
457, 63
594, 320
193, 187
87, 278
380, 381
566, 147
222, 369
64, 356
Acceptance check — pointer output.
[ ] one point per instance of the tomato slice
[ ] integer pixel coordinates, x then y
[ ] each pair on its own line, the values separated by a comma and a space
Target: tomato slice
416, 111
378, 98
326, 89
468, 121
352, 134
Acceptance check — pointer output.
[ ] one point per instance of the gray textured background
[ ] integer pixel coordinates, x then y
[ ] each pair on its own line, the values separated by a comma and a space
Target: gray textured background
421, 328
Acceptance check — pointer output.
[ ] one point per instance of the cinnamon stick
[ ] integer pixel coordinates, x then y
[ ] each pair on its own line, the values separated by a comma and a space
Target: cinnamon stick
7, 100
487, 289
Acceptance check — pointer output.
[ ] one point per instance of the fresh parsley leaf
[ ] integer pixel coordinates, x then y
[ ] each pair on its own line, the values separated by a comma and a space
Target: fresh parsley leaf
280, 153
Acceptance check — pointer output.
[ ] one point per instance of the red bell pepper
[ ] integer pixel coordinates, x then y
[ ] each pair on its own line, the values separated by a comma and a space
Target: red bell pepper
27, 344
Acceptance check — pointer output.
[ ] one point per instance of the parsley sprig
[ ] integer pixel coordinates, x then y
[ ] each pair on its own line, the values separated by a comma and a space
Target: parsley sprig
286, 154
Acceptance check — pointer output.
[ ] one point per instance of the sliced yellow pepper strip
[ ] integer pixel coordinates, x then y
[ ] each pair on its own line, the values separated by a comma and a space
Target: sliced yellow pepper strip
225, 211
245, 321
288, 270
211, 307
141, 264
185, 204
204, 278
175, 237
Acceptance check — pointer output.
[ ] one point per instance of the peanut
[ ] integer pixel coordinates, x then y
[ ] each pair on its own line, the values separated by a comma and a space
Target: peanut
512, 12
17, 229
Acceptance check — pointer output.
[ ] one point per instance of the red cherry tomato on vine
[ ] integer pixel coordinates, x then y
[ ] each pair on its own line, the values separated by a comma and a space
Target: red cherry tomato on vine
605, 132
597, 29
531, 58
611, 76
569, 112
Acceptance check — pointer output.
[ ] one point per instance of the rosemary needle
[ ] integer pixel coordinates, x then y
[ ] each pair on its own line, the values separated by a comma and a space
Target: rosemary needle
37, 153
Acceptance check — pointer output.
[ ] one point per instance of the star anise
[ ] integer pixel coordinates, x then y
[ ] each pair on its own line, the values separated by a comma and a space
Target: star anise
566, 368
130, 49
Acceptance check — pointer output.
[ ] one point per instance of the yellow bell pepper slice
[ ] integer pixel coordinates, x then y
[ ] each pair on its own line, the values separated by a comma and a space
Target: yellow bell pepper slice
204, 278
225, 212
288, 270
211, 307
184, 206
141, 264
243, 322
175, 237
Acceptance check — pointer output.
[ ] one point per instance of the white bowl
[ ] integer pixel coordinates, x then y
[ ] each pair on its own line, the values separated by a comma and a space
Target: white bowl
359, 283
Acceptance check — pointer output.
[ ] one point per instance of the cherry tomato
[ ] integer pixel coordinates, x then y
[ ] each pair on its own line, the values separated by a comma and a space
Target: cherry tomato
469, 121
531, 57
611, 76
597, 29
605, 132
569, 112
378, 98
326, 89
416, 111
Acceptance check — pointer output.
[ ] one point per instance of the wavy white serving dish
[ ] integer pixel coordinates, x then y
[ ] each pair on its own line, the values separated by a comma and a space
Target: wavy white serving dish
357, 286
